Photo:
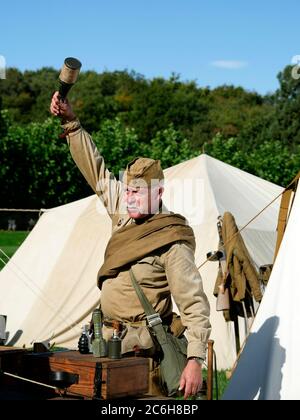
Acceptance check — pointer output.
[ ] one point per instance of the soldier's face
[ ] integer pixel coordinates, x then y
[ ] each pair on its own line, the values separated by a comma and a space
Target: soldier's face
141, 201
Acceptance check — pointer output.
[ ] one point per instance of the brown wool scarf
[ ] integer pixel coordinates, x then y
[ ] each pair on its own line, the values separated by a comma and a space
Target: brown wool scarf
134, 242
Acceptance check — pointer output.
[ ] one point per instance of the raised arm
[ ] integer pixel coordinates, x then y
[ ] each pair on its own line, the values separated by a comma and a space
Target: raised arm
87, 158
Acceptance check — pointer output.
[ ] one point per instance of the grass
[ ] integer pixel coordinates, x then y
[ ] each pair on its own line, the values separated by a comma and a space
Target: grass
220, 386
9, 243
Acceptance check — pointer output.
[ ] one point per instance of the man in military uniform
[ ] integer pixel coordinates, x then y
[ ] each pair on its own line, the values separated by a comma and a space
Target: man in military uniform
157, 244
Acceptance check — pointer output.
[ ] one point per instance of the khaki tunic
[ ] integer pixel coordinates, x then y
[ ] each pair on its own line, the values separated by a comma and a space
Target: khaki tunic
166, 272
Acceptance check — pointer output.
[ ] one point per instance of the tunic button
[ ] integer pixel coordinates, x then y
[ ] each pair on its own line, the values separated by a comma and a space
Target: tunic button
119, 222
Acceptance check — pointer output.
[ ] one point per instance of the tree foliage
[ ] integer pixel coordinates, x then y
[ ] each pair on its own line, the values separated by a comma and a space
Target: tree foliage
148, 106
170, 147
37, 169
130, 116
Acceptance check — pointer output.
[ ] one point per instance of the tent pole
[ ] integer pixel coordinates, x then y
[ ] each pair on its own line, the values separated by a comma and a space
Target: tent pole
210, 356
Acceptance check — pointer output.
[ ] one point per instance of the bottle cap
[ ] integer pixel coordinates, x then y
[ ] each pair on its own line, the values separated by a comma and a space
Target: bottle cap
115, 334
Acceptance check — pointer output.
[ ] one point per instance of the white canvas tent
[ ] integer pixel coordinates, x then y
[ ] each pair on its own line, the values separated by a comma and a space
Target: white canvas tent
268, 368
48, 289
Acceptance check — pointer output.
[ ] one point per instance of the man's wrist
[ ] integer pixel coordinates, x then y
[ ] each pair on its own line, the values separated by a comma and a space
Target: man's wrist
68, 119
70, 127
198, 360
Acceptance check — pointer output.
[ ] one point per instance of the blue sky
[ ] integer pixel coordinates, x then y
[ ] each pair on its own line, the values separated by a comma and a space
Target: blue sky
244, 43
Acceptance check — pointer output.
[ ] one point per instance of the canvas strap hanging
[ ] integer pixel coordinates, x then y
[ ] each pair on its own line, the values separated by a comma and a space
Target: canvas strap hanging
284, 211
222, 303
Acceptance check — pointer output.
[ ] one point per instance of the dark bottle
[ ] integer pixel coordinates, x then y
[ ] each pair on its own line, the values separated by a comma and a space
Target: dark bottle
114, 346
83, 343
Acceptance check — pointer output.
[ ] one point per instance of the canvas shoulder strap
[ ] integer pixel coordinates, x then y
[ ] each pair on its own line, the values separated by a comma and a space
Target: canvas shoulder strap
153, 318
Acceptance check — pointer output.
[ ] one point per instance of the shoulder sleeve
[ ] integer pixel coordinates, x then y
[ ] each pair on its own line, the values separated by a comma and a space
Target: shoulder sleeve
92, 166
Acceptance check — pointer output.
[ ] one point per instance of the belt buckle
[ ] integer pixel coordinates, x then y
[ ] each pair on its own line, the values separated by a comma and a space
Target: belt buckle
154, 320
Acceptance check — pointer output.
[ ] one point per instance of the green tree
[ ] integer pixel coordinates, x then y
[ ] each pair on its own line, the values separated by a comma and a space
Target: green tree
117, 144
130, 116
170, 147
2, 124
227, 150
36, 167
285, 126
147, 106
162, 102
274, 161
15, 92
42, 83
233, 107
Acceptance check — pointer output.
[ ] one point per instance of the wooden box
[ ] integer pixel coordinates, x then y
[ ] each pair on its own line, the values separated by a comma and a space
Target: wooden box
98, 378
